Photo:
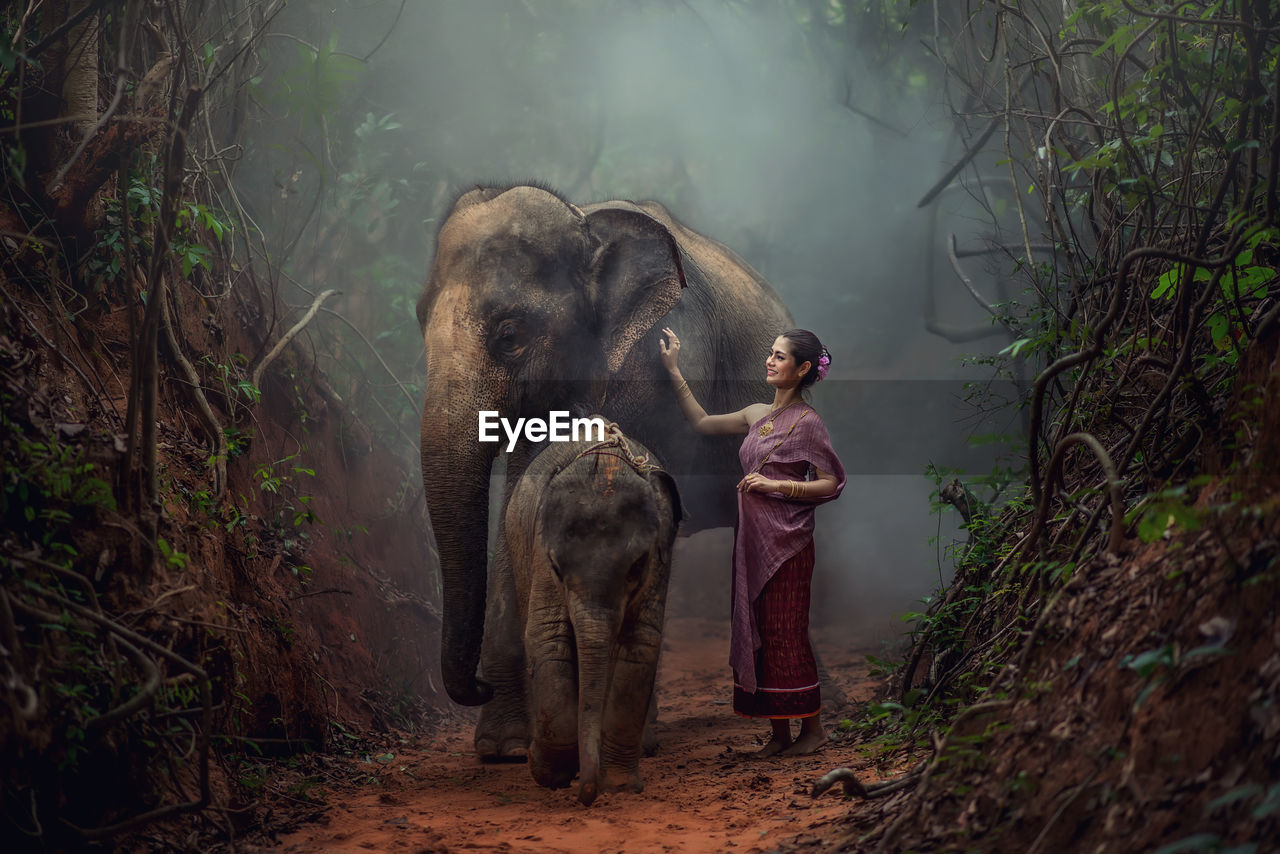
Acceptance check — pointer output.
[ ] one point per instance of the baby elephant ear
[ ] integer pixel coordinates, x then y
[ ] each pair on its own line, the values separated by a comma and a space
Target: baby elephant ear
636, 279
677, 508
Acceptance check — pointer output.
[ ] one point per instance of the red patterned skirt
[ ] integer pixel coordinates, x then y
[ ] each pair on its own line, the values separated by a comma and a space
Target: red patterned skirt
786, 671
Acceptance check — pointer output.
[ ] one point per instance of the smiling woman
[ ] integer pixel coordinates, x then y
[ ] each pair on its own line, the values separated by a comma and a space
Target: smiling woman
790, 468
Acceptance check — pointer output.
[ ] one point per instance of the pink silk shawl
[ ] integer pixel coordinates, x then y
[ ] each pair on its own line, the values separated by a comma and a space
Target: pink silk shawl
772, 528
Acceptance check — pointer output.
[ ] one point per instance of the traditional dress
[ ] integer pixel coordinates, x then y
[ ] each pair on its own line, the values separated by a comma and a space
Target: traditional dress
774, 672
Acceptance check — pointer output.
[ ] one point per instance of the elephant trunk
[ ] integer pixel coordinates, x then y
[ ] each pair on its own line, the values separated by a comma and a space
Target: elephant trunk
457, 487
596, 633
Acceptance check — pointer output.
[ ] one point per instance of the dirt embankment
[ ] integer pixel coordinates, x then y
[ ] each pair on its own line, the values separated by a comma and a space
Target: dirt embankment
1140, 710
303, 593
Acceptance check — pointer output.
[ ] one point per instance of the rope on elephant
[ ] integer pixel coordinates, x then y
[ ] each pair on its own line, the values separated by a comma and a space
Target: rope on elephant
615, 445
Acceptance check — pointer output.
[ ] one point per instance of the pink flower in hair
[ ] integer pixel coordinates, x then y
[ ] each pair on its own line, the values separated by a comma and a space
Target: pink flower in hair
824, 362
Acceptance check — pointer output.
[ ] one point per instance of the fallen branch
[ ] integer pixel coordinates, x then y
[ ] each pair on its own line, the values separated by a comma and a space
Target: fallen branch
939, 748
289, 336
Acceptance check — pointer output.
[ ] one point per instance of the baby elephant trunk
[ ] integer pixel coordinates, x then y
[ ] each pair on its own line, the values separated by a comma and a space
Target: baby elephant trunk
596, 634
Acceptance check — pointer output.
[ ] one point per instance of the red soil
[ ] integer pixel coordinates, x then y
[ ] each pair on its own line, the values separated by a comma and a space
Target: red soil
703, 793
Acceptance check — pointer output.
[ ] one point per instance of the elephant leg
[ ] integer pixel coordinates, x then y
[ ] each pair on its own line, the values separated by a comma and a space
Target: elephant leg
628, 707
833, 697
650, 742
553, 685
502, 733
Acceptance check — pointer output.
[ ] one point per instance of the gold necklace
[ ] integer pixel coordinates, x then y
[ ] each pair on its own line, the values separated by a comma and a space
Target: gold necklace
766, 429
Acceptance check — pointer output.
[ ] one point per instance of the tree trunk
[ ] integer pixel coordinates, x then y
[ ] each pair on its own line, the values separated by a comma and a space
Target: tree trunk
80, 70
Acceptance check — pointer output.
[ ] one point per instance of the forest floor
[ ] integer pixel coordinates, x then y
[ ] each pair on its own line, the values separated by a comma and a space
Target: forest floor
703, 790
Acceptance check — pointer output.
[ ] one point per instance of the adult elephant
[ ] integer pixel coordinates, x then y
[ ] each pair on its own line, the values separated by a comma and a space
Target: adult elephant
534, 305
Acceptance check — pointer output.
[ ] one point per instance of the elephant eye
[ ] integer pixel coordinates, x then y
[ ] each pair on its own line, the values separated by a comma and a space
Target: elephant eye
508, 338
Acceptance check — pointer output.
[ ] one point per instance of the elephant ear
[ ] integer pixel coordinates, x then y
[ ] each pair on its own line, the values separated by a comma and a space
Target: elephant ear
637, 278
677, 508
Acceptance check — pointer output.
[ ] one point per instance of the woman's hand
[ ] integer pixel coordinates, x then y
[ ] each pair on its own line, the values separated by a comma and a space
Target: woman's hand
669, 350
756, 482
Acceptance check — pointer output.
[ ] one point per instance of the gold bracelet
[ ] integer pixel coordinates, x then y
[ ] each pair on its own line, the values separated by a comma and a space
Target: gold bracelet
793, 489
683, 388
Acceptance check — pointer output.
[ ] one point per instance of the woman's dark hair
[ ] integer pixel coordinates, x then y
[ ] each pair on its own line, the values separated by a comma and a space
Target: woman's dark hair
806, 347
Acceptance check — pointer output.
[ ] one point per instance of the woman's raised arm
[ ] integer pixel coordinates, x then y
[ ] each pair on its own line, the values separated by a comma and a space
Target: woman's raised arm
727, 424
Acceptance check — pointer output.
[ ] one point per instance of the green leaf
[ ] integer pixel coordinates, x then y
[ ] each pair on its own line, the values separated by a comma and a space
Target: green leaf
1118, 41
1016, 348
1247, 281
1270, 804
1239, 793
1165, 284
1145, 663
1219, 327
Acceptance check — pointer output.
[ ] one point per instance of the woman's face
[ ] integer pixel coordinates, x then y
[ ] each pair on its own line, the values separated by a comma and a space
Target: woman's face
781, 370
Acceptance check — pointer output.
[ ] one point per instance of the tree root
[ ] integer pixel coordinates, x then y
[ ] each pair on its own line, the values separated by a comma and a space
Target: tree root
854, 786
1114, 488
136, 643
212, 426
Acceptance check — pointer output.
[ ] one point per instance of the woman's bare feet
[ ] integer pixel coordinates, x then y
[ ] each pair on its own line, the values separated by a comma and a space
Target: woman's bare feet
780, 741
812, 737
773, 748
804, 745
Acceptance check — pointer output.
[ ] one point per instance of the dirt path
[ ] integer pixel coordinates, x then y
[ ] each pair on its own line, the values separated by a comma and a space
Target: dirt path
701, 793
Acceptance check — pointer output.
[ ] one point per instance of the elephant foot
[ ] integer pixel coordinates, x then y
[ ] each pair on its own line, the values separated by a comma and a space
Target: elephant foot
833, 697
553, 770
509, 751
622, 780
512, 749
650, 742
501, 739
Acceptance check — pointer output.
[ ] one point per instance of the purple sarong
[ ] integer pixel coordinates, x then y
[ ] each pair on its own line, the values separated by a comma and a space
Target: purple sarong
772, 528
786, 671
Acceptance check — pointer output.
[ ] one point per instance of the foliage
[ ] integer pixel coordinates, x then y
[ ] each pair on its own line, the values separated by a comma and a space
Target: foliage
90, 701
1134, 163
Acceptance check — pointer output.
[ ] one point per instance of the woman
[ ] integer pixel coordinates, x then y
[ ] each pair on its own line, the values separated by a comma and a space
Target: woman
790, 468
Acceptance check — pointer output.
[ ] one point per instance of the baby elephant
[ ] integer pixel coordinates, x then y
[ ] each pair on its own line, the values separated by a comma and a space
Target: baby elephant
589, 530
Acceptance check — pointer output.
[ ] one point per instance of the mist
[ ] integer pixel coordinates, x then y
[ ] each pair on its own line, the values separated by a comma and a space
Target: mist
769, 130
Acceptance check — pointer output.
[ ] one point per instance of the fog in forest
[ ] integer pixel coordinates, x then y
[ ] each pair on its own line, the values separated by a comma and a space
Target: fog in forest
738, 119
